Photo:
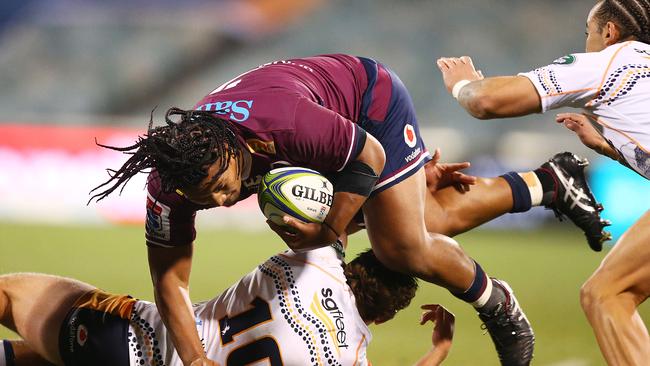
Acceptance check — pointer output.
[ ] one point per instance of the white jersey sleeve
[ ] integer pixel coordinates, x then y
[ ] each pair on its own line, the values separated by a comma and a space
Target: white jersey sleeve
613, 88
570, 81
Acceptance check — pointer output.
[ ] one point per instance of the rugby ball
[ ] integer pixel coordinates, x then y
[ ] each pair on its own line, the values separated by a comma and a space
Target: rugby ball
299, 192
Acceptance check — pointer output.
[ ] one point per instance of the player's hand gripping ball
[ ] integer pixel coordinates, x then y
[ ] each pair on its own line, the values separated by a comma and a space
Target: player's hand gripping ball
299, 192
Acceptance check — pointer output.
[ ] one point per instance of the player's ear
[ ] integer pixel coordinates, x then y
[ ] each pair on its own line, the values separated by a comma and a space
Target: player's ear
611, 33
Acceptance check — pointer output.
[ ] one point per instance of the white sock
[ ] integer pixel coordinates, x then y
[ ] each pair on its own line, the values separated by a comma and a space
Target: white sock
483, 299
534, 186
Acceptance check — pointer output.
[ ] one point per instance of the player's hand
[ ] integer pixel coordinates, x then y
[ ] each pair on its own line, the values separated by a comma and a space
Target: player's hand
586, 132
440, 175
302, 236
455, 69
443, 331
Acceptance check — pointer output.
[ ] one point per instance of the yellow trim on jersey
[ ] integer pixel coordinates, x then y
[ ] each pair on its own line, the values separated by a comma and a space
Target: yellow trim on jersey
568, 92
356, 357
312, 264
322, 315
117, 305
602, 81
605, 124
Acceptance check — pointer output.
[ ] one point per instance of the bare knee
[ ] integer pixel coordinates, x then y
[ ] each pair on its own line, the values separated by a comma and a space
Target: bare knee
597, 295
430, 257
6, 313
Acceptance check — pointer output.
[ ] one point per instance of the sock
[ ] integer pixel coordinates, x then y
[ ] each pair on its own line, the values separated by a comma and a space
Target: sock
521, 196
549, 184
7, 357
534, 187
479, 289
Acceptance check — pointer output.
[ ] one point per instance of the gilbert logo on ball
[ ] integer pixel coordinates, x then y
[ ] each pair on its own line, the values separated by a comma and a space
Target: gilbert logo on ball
299, 192
409, 136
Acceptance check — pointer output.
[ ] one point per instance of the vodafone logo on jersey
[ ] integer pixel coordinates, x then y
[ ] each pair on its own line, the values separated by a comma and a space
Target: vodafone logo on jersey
409, 136
82, 335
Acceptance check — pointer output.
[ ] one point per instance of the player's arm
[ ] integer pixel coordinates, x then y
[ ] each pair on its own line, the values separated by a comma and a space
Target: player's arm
170, 272
486, 98
328, 142
352, 188
587, 133
169, 236
441, 338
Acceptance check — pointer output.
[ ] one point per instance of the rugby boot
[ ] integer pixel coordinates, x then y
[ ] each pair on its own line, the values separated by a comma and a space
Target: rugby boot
510, 330
573, 198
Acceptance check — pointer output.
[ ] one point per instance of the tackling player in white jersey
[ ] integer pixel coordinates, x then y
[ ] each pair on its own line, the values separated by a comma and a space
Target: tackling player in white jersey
294, 309
611, 83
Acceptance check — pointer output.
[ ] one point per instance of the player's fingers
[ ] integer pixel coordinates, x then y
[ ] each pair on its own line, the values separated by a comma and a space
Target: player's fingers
441, 65
427, 316
429, 306
467, 60
480, 74
436, 156
452, 167
464, 179
573, 126
446, 62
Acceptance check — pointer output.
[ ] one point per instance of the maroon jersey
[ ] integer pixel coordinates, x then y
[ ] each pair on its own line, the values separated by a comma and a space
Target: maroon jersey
301, 112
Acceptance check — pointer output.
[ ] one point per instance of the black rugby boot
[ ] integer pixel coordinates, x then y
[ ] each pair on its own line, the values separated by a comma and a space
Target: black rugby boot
573, 198
509, 328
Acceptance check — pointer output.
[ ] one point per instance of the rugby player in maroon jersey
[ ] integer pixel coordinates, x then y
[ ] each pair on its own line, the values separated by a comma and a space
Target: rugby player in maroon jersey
353, 120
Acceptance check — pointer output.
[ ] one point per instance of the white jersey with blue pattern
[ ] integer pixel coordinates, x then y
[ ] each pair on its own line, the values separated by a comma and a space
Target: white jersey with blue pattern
294, 309
613, 88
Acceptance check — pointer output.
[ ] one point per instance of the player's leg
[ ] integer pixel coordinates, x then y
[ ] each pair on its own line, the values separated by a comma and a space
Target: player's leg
558, 184
35, 305
610, 298
18, 353
451, 212
394, 221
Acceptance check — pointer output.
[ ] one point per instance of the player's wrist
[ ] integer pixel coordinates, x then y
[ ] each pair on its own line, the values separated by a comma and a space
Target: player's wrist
455, 90
330, 232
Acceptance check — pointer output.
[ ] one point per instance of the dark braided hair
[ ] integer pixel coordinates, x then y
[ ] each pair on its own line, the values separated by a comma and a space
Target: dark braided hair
181, 152
632, 16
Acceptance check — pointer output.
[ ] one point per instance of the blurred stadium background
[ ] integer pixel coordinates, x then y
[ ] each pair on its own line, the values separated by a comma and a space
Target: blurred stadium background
72, 71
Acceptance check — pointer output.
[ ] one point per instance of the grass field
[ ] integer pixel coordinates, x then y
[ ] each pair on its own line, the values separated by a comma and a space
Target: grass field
546, 269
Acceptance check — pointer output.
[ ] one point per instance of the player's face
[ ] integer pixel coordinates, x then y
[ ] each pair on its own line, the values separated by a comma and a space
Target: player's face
595, 40
217, 190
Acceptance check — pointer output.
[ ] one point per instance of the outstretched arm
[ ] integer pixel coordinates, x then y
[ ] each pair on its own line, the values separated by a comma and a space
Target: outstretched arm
587, 133
170, 272
443, 332
486, 98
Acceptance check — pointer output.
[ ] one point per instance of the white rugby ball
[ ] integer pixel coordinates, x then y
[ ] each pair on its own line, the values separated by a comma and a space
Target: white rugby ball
299, 192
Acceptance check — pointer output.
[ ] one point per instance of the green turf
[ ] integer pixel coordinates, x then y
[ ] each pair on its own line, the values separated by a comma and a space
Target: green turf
546, 269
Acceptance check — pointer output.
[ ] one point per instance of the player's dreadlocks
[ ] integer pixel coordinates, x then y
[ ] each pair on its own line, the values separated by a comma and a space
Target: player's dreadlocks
379, 292
181, 152
632, 16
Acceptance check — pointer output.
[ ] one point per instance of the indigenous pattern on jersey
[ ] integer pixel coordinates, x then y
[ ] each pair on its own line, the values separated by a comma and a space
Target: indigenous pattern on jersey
307, 112
294, 309
613, 88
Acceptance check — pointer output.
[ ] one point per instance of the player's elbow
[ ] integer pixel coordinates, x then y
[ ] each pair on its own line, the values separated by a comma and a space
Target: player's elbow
482, 105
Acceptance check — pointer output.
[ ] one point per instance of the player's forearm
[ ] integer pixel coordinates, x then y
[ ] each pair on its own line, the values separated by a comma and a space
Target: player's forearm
352, 194
174, 305
606, 149
500, 97
434, 357
170, 273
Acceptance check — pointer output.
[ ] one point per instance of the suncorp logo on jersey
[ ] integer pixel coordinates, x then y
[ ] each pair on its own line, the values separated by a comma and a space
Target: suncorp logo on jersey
238, 111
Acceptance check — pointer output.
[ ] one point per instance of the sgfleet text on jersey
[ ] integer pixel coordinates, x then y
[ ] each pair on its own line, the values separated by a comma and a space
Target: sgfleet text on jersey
238, 110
